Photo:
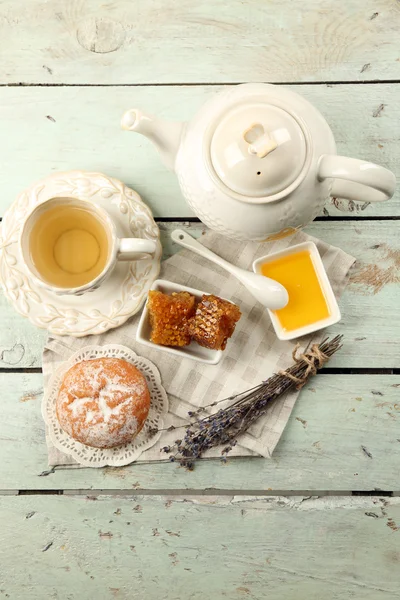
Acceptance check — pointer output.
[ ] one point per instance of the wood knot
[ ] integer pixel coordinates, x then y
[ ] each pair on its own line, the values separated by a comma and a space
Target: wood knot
14, 355
100, 35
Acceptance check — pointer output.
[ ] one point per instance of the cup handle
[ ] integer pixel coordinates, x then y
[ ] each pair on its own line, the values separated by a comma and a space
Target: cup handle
357, 180
135, 249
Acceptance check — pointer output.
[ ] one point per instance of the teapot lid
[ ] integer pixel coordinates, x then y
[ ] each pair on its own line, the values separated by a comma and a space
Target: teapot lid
258, 149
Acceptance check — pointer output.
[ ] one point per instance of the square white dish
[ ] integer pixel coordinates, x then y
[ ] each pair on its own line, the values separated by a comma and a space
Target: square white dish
334, 316
193, 350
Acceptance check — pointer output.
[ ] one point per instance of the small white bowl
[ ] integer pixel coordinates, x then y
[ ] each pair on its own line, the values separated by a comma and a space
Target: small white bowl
193, 350
334, 316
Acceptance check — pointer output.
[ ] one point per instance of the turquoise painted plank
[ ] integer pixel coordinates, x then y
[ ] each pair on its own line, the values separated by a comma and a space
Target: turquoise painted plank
205, 547
21, 343
185, 41
62, 128
370, 307
342, 435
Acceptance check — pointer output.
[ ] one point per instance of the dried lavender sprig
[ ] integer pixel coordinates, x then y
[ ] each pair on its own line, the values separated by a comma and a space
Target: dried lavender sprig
224, 426
270, 384
275, 384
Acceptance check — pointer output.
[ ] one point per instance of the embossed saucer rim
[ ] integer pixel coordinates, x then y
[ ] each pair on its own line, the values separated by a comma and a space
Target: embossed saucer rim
120, 297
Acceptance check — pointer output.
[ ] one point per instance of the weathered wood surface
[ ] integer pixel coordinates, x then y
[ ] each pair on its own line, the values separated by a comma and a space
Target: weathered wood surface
156, 42
177, 548
50, 129
342, 435
370, 306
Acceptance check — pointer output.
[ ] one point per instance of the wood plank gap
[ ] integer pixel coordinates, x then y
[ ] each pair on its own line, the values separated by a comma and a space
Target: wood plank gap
321, 218
376, 492
93, 494
205, 492
324, 371
358, 371
202, 83
41, 492
326, 219
177, 220
356, 218
24, 370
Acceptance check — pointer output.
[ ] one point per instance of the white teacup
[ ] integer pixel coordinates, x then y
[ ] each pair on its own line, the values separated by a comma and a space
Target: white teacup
113, 250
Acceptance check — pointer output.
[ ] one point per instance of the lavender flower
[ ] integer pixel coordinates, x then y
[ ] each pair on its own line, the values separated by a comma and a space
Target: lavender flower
227, 424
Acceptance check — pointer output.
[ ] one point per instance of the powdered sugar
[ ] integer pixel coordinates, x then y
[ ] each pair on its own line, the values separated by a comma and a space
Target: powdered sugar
79, 405
104, 406
103, 402
116, 456
90, 414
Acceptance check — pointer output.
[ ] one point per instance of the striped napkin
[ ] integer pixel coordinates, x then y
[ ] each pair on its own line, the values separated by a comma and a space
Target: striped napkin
252, 355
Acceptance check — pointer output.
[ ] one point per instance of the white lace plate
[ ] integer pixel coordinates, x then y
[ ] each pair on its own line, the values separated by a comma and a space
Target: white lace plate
120, 455
119, 297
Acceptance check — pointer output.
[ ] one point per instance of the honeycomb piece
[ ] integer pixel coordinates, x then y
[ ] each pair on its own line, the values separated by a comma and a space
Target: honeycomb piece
214, 322
169, 317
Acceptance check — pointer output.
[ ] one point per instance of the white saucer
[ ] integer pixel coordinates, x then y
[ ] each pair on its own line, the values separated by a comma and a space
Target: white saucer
121, 295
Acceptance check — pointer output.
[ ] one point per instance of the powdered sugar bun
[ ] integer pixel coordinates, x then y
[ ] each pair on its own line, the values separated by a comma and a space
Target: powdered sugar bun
103, 402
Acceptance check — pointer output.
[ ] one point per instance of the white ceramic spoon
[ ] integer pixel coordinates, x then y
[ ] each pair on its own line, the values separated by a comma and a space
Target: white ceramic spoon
268, 292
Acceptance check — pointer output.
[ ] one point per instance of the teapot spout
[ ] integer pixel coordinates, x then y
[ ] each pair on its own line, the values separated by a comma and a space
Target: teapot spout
166, 135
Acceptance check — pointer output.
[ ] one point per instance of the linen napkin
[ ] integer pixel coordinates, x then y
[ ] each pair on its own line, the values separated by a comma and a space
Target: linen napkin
252, 355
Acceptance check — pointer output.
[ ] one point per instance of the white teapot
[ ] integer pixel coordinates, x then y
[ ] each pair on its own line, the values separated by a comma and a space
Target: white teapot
258, 162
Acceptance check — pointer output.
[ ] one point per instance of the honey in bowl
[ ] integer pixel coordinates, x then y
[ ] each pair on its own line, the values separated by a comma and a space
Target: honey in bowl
68, 246
307, 301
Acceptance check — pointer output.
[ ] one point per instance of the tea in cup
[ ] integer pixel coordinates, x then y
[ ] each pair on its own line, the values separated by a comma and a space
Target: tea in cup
70, 246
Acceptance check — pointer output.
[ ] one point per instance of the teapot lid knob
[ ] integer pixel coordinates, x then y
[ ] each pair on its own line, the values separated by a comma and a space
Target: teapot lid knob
258, 150
260, 142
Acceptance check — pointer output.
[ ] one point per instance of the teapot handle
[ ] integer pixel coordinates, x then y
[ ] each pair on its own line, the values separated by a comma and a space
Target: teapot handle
357, 180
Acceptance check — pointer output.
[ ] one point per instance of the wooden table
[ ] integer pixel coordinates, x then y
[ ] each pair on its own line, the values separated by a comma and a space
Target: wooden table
321, 518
